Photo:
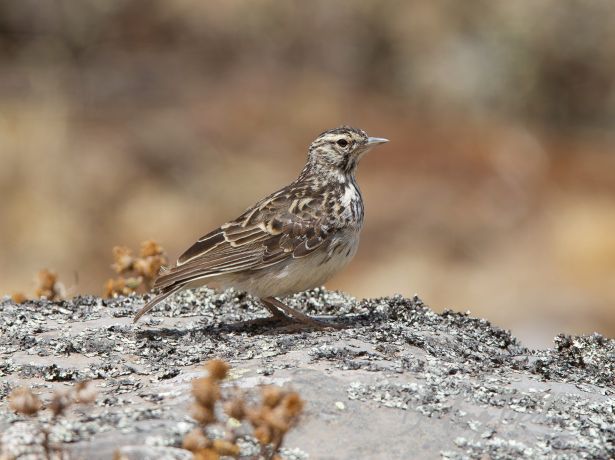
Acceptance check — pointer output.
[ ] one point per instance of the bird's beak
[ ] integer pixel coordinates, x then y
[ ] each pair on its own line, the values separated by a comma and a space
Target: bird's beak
373, 141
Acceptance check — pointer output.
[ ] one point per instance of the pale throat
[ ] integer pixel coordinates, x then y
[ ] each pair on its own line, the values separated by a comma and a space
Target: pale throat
329, 172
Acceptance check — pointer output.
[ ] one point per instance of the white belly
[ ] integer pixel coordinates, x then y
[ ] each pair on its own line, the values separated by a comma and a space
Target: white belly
296, 275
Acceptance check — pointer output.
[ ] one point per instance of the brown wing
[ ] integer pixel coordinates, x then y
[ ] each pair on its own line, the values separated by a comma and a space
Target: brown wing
285, 225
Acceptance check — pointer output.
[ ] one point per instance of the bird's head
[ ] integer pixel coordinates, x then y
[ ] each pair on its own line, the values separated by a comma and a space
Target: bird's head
339, 150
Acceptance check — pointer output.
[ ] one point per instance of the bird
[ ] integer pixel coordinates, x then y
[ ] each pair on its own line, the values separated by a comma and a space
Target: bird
290, 241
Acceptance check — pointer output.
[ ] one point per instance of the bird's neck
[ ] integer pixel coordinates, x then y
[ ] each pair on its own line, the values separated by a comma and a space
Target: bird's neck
325, 174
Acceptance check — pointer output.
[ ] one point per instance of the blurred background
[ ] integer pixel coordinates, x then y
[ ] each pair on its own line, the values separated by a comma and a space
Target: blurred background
123, 120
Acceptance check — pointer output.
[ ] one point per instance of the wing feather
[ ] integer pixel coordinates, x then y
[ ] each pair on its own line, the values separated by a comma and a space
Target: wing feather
203, 245
276, 229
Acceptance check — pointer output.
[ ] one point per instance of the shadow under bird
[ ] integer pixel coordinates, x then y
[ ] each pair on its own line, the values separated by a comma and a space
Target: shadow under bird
293, 240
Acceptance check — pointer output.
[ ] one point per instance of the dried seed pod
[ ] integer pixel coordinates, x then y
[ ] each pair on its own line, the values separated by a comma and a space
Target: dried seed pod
148, 268
292, 404
228, 448
206, 391
18, 297
48, 286
123, 259
111, 287
23, 401
217, 369
60, 402
271, 395
203, 415
263, 434
117, 286
235, 408
206, 454
277, 420
195, 441
150, 248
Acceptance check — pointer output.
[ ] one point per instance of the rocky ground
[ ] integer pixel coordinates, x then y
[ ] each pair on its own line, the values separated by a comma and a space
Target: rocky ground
399, 381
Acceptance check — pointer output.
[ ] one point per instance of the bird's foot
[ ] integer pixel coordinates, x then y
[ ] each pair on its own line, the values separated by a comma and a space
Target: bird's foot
282, 312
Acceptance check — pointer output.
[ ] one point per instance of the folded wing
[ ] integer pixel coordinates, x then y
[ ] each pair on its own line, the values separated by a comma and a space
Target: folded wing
275, 230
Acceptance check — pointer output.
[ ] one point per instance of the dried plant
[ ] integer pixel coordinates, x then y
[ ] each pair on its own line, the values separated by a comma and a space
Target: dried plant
278, 413
268, 421
48, 286
23, 401
19, 297
135, 272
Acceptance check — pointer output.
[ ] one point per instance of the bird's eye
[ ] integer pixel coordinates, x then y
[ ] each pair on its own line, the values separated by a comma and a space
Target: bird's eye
342, 142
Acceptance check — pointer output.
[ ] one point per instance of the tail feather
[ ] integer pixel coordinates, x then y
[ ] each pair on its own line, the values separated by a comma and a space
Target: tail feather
156, 300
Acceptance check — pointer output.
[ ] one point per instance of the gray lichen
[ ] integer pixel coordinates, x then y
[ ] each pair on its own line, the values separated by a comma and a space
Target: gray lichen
469, 388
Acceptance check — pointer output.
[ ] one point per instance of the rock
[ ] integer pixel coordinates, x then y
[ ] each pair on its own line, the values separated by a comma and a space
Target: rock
148, 453
25, 441
399, 380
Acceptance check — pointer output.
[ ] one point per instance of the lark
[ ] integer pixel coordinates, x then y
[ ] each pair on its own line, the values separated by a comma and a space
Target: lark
293, 240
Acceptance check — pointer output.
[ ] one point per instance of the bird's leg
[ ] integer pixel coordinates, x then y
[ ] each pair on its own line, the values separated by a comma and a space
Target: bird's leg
276, 313
276, 308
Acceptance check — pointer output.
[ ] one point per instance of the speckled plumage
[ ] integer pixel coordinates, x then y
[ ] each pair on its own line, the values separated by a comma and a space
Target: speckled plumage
294, 239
